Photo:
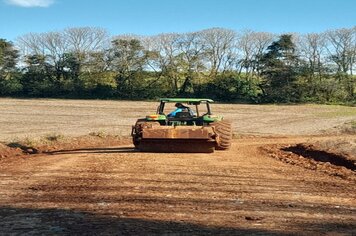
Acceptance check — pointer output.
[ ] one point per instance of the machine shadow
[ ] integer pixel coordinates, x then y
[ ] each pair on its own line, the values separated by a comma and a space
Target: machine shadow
30, 221
93, 151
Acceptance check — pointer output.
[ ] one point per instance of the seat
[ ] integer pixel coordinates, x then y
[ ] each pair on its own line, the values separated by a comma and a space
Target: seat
183, 114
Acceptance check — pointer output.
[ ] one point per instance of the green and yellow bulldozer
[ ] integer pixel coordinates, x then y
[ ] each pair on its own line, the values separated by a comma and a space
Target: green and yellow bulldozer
191, 127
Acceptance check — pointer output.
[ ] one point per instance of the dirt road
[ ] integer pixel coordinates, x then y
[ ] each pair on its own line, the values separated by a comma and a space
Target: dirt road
116, 190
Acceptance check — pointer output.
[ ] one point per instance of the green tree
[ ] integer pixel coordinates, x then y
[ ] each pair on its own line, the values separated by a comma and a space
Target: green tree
8, 58
9, 83
38, 77
279, 68
128, 60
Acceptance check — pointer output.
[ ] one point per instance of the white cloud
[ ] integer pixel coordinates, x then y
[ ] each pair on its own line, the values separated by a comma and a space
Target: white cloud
30, 3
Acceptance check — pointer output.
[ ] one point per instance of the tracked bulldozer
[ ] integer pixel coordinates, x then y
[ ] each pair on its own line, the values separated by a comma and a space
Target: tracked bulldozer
192, 127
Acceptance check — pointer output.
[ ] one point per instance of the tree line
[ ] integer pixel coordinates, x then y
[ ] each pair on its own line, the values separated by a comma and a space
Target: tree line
222, 64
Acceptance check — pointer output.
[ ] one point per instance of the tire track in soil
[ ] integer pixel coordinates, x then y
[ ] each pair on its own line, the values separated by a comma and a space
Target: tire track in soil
238, 191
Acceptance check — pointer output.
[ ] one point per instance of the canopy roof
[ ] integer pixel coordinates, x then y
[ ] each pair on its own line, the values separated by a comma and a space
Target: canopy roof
186, 100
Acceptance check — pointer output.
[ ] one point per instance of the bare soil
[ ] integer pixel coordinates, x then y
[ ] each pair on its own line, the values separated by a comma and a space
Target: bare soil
264, 185
33, 118
116, 190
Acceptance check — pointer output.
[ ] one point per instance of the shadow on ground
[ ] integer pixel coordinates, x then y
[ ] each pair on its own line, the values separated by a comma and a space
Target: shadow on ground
321, 156
93, 150
27, 221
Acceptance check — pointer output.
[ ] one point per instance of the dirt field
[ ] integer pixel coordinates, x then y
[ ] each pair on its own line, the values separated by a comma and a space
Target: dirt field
270, 182
21, 119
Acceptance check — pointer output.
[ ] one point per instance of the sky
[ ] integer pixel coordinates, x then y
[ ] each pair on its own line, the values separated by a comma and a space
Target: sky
150, 17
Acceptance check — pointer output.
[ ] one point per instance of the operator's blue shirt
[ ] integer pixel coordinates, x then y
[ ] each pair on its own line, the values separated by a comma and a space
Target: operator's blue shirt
173, 113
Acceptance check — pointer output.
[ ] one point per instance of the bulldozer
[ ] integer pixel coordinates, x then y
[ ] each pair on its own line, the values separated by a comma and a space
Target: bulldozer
192, 127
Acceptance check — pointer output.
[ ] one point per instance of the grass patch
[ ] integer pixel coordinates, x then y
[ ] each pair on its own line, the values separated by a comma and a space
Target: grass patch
28, 144
353, 124
338, 112
236, 136
54, 137
100, 134
350, 127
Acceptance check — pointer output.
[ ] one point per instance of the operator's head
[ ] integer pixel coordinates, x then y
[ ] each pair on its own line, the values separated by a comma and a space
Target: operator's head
178, 104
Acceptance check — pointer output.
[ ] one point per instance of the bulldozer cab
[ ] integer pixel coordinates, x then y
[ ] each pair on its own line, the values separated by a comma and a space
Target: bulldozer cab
194, 107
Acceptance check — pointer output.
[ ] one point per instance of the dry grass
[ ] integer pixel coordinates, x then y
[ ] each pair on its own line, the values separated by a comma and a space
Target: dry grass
349, 127
31, 118
54, 137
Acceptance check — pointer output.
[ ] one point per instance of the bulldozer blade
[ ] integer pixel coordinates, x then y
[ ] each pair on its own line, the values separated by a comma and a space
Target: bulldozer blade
178, 132
177, 145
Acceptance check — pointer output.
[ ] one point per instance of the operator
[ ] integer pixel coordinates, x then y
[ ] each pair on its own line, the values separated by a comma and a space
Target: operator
180, 108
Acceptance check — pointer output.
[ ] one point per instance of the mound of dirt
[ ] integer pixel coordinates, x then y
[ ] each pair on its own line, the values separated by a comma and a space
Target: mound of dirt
312, 157
313, 152
6, 151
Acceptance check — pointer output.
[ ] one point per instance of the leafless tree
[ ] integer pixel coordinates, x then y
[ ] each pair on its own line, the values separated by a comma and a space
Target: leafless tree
51, 44
54, 45
341, 48
191, 58
341, 43
87, 44
312, 49
165, 48
86, 39
30, 44
251, 45
220, 44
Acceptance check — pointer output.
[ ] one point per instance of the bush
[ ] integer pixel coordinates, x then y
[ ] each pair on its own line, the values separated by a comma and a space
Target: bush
232, 87
10, 87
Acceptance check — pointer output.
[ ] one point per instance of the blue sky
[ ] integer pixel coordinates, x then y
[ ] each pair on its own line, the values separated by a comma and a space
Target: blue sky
149, 17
